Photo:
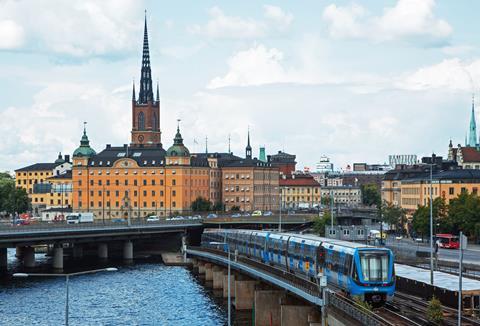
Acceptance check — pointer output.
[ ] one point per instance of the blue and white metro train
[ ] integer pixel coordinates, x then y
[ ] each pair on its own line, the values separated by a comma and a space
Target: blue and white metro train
361, 271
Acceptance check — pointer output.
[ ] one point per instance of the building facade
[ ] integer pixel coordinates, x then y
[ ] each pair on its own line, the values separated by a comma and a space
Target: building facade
47, 184
343, 195
299, 190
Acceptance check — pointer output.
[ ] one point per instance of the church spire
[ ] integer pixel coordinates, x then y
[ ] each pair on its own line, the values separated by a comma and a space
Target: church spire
146, 91
472, 139
133, 92
248, 149
158, 93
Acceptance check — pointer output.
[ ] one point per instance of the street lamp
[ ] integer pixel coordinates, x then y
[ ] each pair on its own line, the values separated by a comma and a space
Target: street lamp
431, 224
228, 286
67, 277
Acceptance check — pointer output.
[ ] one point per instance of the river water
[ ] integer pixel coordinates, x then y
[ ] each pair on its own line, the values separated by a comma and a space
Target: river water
144, 293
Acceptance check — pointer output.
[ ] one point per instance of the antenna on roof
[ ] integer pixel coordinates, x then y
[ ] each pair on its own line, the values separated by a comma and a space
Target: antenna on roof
229, 151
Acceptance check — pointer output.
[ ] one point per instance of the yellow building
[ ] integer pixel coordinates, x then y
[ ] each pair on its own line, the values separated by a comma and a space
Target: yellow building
446, 184
299, 191
47, 184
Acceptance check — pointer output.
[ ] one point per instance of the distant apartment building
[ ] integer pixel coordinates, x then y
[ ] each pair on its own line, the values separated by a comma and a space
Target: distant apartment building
406, 159
324, 165
343, 195
47, 184
299, 190
284, 162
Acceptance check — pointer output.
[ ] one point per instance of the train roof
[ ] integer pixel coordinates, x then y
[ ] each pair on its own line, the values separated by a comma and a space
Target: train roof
343, 243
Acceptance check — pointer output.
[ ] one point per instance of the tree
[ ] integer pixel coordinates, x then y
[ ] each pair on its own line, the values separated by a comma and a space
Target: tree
421, 217
12, 199
393, 215
218, 206
463, 214
320, 222
235, 208
201, 205
371, 195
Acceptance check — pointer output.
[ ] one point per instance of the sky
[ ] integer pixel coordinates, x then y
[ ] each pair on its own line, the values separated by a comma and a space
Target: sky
353, 80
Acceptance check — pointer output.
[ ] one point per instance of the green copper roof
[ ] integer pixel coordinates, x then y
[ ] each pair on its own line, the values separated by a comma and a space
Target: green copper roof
84, 149
178, 149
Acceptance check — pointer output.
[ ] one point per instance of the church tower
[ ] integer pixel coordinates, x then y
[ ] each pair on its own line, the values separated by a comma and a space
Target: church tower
146, 109
472, 137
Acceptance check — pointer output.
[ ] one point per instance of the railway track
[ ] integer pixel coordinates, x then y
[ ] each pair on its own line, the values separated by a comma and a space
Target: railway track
415, 309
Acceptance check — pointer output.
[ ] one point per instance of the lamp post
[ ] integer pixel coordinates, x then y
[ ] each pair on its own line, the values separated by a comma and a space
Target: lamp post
228, 286
431, 224
280, 215
67, 278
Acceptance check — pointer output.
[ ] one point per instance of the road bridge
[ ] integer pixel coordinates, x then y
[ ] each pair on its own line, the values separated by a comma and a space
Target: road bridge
76, 236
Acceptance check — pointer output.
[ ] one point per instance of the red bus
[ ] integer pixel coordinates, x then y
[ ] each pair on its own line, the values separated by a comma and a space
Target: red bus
448, 241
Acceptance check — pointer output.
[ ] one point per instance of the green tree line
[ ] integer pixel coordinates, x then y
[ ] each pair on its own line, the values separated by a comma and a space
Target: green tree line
12, 199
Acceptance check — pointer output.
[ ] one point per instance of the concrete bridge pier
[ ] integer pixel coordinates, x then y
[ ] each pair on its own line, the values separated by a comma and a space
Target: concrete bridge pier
208, 272
301, 315
267, 307
103, 251
58, 257
29, 257
19, 252
217, 276
244, 294
201, 267
77, 251
225, 285
3, 260
128, 250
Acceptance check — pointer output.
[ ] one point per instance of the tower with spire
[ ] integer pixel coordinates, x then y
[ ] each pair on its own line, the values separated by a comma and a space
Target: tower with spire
248, 149
145, 108
472, 136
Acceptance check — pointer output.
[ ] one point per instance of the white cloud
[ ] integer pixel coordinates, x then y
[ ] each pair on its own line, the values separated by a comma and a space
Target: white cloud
11, 34
456, 50
255, 66
223, 26
278, 15
77, 28
408, 18
450, 74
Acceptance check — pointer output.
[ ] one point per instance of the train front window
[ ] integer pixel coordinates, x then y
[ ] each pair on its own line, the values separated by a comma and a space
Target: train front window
374, 266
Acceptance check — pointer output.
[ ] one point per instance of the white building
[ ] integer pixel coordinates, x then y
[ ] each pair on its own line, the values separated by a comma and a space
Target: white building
343, 195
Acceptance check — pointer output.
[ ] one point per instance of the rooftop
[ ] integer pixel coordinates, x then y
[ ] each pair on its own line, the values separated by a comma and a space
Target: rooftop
38, 167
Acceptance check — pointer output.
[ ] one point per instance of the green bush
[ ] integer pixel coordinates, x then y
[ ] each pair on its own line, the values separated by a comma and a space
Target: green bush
435, 311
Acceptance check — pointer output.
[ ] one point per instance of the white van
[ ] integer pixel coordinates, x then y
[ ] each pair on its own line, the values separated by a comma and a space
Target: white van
76, 218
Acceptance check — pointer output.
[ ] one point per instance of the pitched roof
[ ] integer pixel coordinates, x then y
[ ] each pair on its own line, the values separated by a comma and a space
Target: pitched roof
470, 154
299, 181
144, 156
38, 167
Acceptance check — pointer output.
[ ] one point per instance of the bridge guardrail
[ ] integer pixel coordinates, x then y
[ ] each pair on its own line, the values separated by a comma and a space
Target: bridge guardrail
84, 226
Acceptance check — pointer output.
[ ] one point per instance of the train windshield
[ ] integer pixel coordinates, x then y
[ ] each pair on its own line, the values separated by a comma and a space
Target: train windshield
374, 265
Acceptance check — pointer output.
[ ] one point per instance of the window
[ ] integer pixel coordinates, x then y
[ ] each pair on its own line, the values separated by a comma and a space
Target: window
99, 204
174, 204
374, 266
108, 193
144, 182
141, 121
126, 182
144, 193
99, 182
153, 192
174, 193
475, 190
79, 193
144, 204
174, 182
117, 193
135, 193
161, 182
135, 182
91, 182
451, 191
117, 183
153, 182
79, 182
161, 192
108, 182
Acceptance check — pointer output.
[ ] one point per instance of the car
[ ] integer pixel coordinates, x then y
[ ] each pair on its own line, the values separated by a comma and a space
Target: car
153, 219
118, 220
257, 213
212, 215
236, 215
418, 240
399, 237
246, 214
268, 213
196, 217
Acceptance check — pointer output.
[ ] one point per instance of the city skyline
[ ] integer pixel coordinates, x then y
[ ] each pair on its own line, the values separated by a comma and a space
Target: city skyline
234, 66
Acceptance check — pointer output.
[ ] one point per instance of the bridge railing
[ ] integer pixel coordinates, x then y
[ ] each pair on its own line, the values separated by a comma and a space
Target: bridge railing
7, 228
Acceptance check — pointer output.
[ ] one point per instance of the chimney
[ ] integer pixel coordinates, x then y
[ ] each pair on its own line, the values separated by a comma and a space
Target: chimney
67, 158
109, 146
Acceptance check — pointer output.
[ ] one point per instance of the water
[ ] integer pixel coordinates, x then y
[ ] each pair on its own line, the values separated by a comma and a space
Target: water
146, 293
